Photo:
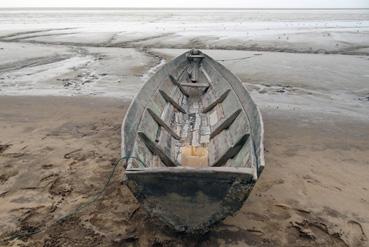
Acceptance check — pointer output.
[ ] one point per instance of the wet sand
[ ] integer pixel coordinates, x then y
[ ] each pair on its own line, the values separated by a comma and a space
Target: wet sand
57, 152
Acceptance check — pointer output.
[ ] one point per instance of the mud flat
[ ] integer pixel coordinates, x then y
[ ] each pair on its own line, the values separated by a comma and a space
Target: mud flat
309, 31
57, 152
66, 80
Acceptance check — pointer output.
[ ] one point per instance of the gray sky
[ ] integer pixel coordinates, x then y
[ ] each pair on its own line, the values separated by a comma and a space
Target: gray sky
190, 3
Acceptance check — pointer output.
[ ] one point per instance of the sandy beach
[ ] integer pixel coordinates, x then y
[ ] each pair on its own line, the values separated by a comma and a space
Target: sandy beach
67, 78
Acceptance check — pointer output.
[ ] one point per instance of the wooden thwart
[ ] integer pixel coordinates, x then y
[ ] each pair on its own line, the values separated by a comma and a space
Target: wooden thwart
161, 123
225, 124
155, 149
172, 101
191, 84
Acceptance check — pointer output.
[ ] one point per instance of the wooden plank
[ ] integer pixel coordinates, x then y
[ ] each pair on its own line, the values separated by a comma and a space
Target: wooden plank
219, 100
195, 71
161, 123
249, 107
232, 151
172, 101
155, 149
175, 82
158, 132
190, 84
225, 124
199, 171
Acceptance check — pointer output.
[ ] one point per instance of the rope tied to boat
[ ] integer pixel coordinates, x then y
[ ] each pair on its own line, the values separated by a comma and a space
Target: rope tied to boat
18, 235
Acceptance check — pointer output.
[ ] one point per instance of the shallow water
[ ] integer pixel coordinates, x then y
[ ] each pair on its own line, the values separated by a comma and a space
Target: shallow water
312, 53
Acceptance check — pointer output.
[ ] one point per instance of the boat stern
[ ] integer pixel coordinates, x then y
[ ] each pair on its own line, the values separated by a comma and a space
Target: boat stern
190, 200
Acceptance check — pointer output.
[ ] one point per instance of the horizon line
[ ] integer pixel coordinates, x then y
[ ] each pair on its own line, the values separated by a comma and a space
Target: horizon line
188, 8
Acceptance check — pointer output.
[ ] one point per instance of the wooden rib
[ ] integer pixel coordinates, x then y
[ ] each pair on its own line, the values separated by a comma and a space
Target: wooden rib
172, 101
161, 123
206, 90
175, 82
157, 150
206, 75
225, 124
158, 133
219, 100
232, 152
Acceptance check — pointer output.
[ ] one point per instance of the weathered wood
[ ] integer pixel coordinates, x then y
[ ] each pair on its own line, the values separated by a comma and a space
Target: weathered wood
172, 101
221, 75
219, 100
157, 150
232, 151
160, 122
158, 132
205, 170
225, 124
190, 201
169, 126
175, 82
189, 84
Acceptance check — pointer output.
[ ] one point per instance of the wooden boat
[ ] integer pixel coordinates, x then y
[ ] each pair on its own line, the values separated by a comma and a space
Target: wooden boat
194, 138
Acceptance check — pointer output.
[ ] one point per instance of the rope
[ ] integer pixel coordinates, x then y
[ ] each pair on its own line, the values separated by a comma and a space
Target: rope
82, 206
236, 59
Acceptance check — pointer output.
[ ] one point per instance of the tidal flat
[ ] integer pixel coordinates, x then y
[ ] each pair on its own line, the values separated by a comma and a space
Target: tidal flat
67, 77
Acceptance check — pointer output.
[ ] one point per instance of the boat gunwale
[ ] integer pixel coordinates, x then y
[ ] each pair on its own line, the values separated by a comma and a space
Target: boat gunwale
203, 170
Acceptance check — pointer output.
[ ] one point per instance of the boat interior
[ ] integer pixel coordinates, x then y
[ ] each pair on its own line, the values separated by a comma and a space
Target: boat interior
194, 119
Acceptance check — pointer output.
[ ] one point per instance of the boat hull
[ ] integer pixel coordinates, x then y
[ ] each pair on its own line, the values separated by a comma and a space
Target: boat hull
194, 140
190, 200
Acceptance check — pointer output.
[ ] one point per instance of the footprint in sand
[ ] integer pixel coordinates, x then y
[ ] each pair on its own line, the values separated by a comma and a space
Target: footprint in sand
79, 155
47, 166
355, 234
60, 187
4, 147
269, 184
6, 174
